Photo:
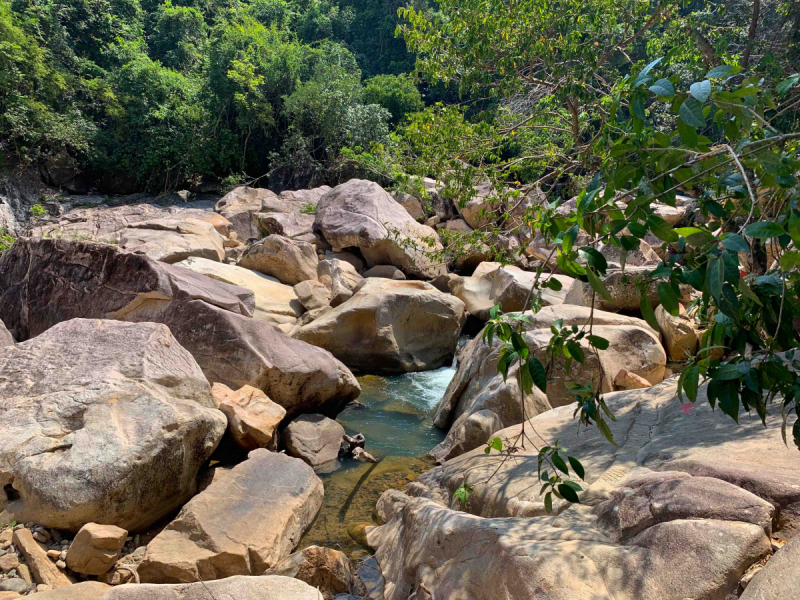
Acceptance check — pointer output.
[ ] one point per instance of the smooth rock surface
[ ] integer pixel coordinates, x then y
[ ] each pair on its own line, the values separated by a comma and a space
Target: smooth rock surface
173, 240
287, 260
315, 439
326, 569
56, 280
105, 422
274, 302
390, 326
477, 386
85, 590
241, 524
360, 214
780, 577
231, 588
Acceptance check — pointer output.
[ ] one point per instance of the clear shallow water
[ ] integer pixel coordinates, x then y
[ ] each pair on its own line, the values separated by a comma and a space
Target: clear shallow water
396, 418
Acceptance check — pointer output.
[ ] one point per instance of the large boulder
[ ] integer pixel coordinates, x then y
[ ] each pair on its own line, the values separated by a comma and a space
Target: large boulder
340, 277
104, 422
242, 524
780, 577
95, 548
173, 240
390, 326
492, 283
362, 214
253, 418
315, 439
287, 260
681, 494
44, 282
326, 569
478, 387
275, 303
238, 588
240, 207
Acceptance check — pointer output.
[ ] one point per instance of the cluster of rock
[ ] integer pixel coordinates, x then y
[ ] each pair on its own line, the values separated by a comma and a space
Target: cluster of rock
144, 343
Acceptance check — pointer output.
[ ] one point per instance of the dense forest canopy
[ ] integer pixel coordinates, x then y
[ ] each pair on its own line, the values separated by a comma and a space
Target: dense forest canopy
149, 94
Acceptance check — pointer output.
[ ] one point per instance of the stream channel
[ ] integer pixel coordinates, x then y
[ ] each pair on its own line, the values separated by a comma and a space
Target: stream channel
396, 417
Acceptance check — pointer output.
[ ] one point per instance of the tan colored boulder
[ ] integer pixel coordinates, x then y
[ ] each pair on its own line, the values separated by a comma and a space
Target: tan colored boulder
104, 421
95, 548
289, 261
240, 206
290, 225
211, 319
342, 276
242, 524
253, 418
275, 303
412, 205
295, 200
313, 294
173, 240
9, 562
361, 214
232, 588
356, 261
477, 385
390, 326
680, 334
625, 380
315, 439
42, 568
84, 590
326, 569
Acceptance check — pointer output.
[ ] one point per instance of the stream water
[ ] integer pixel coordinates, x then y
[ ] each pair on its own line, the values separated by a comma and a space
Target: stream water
396, 417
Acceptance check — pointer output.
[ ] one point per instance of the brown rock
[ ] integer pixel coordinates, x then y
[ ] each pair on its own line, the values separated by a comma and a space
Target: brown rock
9, 562
86, 590
44, 571
288, 260
95, 548
625, 380
241, 524
231, 588
315, 439
173, 240
680, 334
343, 279
253, 418
385, 272
240, 206
326, 569
313, 294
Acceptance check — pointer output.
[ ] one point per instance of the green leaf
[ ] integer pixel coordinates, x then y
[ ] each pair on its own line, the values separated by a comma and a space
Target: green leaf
735, 242
749, 293
603, 427
715, 277
575, 351
764, 230
576, 466
538, 373
789, 260
649, 315
688, 134
553, 284
663, 87
598, 342
597, 285
701, 90
691, 378
727, 372
568, 493
787, 83
668, 299
559, 463
719, 72
691, 113
661, 229
650, 66
594, 259
548, 503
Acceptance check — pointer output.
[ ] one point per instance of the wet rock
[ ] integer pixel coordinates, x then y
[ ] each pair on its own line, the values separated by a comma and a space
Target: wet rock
288, 260
326, 569
390, 326
43, 570
315, 439
241, 524
360, 214
238, 588
361, 455
274, 302
253, 418
106, 421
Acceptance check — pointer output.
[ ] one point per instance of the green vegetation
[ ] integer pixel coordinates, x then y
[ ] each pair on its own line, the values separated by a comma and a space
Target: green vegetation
6, 239
145, 94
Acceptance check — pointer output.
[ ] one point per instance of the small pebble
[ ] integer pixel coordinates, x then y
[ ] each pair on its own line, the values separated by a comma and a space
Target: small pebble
63, 555
39, 537
61, 564
54, 554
